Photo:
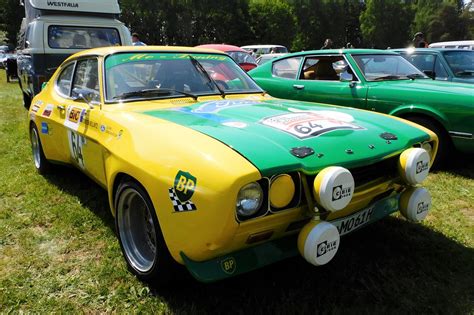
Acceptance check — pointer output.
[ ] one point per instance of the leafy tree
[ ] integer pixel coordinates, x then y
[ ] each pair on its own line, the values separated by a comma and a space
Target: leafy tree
11, 14
386, 23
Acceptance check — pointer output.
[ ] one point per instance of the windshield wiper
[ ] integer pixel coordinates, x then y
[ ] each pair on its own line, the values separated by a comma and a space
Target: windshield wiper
201, 69
387, 77
157, 91
465, 72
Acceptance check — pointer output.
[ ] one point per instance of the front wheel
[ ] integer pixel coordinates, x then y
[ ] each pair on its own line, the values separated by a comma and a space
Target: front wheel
444, 145
140, 236
42, 165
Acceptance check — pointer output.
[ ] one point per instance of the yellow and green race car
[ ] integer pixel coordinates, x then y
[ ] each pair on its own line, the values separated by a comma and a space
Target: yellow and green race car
206, 170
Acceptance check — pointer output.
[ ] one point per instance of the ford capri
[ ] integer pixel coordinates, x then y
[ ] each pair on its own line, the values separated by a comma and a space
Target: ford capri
376, 80
215, 174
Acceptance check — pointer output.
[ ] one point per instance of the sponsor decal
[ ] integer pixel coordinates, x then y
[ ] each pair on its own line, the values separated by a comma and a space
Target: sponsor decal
235, 124
74, 117
229, 265
90, 123
35, 107
422, 207
76, 145
308, 124
422, 166
325, 247
103, 128
48, 110
216, 106
62, 4
182, 191
340, 192
44, 128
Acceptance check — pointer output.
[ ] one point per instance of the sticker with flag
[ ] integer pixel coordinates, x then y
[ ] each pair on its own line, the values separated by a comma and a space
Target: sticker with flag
182, 191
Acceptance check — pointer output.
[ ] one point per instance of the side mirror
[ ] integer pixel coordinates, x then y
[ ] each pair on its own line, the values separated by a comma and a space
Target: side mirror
430, 73
83, 95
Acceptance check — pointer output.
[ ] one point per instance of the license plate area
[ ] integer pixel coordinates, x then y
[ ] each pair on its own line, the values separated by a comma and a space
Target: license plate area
354, 221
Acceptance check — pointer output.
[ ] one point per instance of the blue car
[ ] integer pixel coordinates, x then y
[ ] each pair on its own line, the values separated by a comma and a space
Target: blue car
455, 65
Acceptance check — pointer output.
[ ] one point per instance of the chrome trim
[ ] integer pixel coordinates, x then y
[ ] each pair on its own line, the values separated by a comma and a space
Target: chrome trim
463, 135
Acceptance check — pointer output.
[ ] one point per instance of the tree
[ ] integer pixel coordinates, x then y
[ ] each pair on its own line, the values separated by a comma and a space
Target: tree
11, 14
386, 23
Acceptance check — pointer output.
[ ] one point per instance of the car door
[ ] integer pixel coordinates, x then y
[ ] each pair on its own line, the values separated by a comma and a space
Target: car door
81, 108
329, 79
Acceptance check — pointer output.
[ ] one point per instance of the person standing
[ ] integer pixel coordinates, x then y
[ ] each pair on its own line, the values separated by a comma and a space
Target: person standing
419, 40
136, 40
327, 44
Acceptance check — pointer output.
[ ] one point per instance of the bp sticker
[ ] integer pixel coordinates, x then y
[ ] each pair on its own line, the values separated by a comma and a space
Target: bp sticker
229, 265
184, 185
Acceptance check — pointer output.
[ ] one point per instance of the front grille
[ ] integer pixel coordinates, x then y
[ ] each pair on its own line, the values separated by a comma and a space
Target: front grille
387, 168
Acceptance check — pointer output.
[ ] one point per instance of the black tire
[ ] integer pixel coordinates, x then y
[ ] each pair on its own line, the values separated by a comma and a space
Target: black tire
445, 144
26, 101
42, 165
140, 236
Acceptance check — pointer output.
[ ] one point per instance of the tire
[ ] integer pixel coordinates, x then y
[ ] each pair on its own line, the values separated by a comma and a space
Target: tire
140, 236
444, 145
42, 165
26, 101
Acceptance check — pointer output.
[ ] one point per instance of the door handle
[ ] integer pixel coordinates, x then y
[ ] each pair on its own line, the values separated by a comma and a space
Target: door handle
61, 107
298, 86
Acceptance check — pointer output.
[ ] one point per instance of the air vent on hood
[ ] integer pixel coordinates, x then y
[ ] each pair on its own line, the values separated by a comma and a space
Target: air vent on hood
302, 152
388, 136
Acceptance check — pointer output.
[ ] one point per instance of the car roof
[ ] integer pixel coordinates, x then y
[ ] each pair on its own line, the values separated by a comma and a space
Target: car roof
105, 51
261, 46
222, 47
352, 51
435, 50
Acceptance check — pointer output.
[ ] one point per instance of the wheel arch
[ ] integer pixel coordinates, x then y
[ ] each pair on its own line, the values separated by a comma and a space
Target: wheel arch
421, 111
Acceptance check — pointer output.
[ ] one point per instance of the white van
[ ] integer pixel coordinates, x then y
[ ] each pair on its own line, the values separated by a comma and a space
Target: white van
53, 30
266, 49
460, 44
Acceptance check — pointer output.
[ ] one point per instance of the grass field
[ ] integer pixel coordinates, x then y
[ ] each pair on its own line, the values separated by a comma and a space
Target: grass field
58, 251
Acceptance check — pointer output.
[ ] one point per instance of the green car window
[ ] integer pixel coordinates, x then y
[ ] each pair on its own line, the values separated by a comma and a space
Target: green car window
287, 68
461, 62
168, 75
386, 67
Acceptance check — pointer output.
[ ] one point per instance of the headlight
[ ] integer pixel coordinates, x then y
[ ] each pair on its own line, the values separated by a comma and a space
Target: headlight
333, 188
282, 191
249, 199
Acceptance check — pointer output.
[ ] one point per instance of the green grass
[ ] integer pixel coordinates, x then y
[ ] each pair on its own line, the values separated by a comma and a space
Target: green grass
58, 251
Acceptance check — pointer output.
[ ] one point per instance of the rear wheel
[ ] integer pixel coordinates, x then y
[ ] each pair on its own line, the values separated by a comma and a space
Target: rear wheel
444, 146
140, 236
42, 165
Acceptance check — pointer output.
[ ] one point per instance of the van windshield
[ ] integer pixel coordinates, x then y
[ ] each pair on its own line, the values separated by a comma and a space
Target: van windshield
74, 37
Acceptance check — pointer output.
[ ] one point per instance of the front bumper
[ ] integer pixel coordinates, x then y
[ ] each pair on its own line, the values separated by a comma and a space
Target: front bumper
258, 256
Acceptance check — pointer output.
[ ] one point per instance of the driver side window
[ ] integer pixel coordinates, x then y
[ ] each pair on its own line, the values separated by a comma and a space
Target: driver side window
86, 77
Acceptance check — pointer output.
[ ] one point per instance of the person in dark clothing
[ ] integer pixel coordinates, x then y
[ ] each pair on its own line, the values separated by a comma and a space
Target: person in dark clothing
327, 44
419, 40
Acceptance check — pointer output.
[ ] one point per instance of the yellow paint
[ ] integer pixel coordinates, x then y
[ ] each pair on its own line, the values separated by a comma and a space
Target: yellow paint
282, 191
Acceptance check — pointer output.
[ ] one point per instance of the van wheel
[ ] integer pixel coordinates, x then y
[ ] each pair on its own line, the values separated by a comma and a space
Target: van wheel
42, 165
444, 145
140, 236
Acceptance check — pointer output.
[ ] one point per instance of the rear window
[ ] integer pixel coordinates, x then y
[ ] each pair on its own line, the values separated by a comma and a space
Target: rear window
73, 37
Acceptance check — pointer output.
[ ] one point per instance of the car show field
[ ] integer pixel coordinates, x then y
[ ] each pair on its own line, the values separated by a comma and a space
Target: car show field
59, 250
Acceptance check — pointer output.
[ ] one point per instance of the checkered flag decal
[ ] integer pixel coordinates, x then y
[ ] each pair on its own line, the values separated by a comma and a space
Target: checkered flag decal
178, 205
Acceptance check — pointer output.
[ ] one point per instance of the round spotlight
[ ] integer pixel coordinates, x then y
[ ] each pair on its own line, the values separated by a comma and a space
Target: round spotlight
414, 165
415, 203
318, 242
282, 191
333, 188
249, 199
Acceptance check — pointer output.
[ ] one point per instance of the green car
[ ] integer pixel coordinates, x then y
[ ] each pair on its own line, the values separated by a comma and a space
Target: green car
376, 80
455, 65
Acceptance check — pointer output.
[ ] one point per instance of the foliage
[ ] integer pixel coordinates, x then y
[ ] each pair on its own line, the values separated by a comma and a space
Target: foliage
11, 14
59, 252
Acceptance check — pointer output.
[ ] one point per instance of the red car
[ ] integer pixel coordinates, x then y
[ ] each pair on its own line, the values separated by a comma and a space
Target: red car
241, 56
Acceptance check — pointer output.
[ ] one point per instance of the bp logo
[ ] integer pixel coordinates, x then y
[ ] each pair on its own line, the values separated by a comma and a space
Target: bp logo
229, 265
184, 185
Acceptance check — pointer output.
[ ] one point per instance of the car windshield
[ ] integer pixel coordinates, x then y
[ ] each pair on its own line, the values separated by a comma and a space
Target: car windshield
241, 57
387, 67
165, 75
461, 62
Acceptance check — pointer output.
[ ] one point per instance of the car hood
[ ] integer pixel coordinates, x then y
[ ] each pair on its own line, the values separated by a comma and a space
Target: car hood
271, 133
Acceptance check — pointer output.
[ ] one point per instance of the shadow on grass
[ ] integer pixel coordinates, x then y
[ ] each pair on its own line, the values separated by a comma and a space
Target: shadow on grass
392, 266
90, 194
389, 266
461, 164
